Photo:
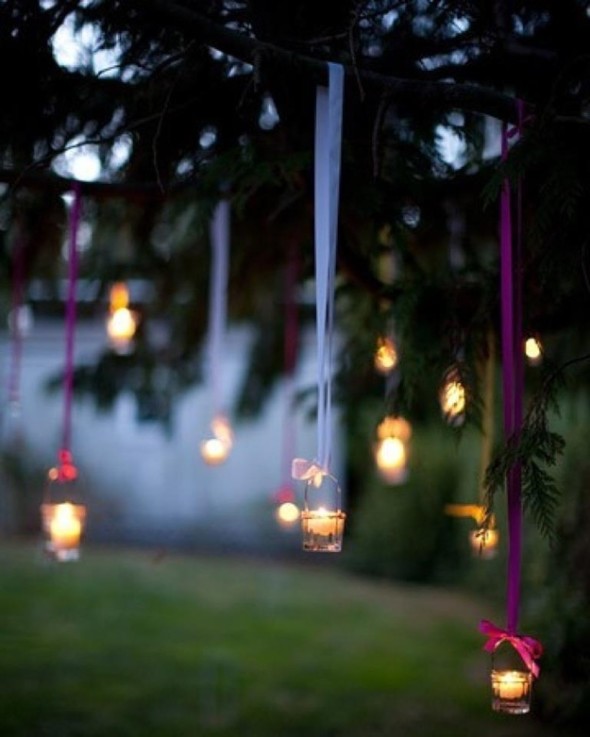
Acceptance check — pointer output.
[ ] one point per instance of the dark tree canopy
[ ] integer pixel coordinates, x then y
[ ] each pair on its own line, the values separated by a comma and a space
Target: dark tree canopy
203, 94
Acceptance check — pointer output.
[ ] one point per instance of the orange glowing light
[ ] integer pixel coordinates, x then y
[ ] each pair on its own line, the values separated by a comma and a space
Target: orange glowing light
385, 359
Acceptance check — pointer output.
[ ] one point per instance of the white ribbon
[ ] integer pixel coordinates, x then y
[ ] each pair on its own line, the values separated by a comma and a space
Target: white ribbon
219, 233
328, 144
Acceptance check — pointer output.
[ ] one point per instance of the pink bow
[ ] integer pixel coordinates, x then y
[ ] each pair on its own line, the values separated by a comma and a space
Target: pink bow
527, 647
304, 470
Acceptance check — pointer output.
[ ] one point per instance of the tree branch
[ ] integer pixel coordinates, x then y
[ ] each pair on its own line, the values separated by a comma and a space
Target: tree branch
469, 97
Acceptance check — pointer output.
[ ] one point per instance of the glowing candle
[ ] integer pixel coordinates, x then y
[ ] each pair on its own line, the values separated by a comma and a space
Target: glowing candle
121, 326
214, 451
511, 690
63, 524
385, 359
322, 529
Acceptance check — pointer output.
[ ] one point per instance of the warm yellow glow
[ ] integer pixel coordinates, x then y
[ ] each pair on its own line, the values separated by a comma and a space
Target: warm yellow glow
391, 453
323, 522
287, 514
453, 398
394, 427
533, 351
121, 326
511, 685
63, 523
222, 430
385, 359
484, 542
119, 296
214, 451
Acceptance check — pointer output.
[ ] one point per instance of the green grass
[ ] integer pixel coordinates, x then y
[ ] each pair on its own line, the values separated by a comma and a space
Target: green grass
130, 644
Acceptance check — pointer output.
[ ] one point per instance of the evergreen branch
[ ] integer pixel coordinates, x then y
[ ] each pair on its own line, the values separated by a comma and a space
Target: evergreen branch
534, 447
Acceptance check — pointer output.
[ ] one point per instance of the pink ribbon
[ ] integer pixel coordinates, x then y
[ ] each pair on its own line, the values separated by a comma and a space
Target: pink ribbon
304, 470
527, 647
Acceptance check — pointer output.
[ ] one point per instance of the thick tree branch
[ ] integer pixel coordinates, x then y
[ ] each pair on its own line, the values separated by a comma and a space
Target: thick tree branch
467, 97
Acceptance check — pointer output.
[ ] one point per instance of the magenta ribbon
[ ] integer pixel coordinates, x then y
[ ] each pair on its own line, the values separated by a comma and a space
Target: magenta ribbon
71, 318
529, 649
512, 380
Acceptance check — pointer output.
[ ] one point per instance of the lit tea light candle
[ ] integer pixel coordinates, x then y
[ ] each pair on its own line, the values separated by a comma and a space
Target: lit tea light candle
453, 398
322, 529
64, 524
390, 457
511, 691
121, 327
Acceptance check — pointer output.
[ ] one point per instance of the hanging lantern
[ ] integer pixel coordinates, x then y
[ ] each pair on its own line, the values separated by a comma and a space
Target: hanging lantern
453, 397
514, 665
484, 542
322, 526
62, 516
511, 680
533, 351
215, 450
122, 322
390, 450
385, 358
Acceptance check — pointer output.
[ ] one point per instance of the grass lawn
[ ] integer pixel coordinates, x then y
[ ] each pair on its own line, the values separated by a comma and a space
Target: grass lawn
134, 644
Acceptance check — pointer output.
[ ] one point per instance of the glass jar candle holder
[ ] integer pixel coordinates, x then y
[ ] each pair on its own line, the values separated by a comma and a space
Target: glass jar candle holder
322, 527
511, 690
62, 515
63, 525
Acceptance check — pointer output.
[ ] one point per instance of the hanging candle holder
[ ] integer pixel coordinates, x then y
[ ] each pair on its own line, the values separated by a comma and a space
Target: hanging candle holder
391, 449
533, 350
62, 515
121, 323
322, 526
385, 359
453, 397
215, 450
514, 666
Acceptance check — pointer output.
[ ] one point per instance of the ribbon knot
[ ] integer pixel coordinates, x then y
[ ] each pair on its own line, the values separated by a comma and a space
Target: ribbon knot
527, 647
304, 470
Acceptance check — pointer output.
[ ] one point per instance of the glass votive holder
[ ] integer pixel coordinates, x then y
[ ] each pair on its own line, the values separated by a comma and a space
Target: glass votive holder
511, 691
322, 530
63, 525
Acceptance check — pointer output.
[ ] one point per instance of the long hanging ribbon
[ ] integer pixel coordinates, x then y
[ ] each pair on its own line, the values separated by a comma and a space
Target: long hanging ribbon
328, 145
71, 315
289, 357
219, 233
513, 381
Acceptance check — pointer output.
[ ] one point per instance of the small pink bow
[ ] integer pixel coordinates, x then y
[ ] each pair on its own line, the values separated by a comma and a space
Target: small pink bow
527, 647
304, 470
